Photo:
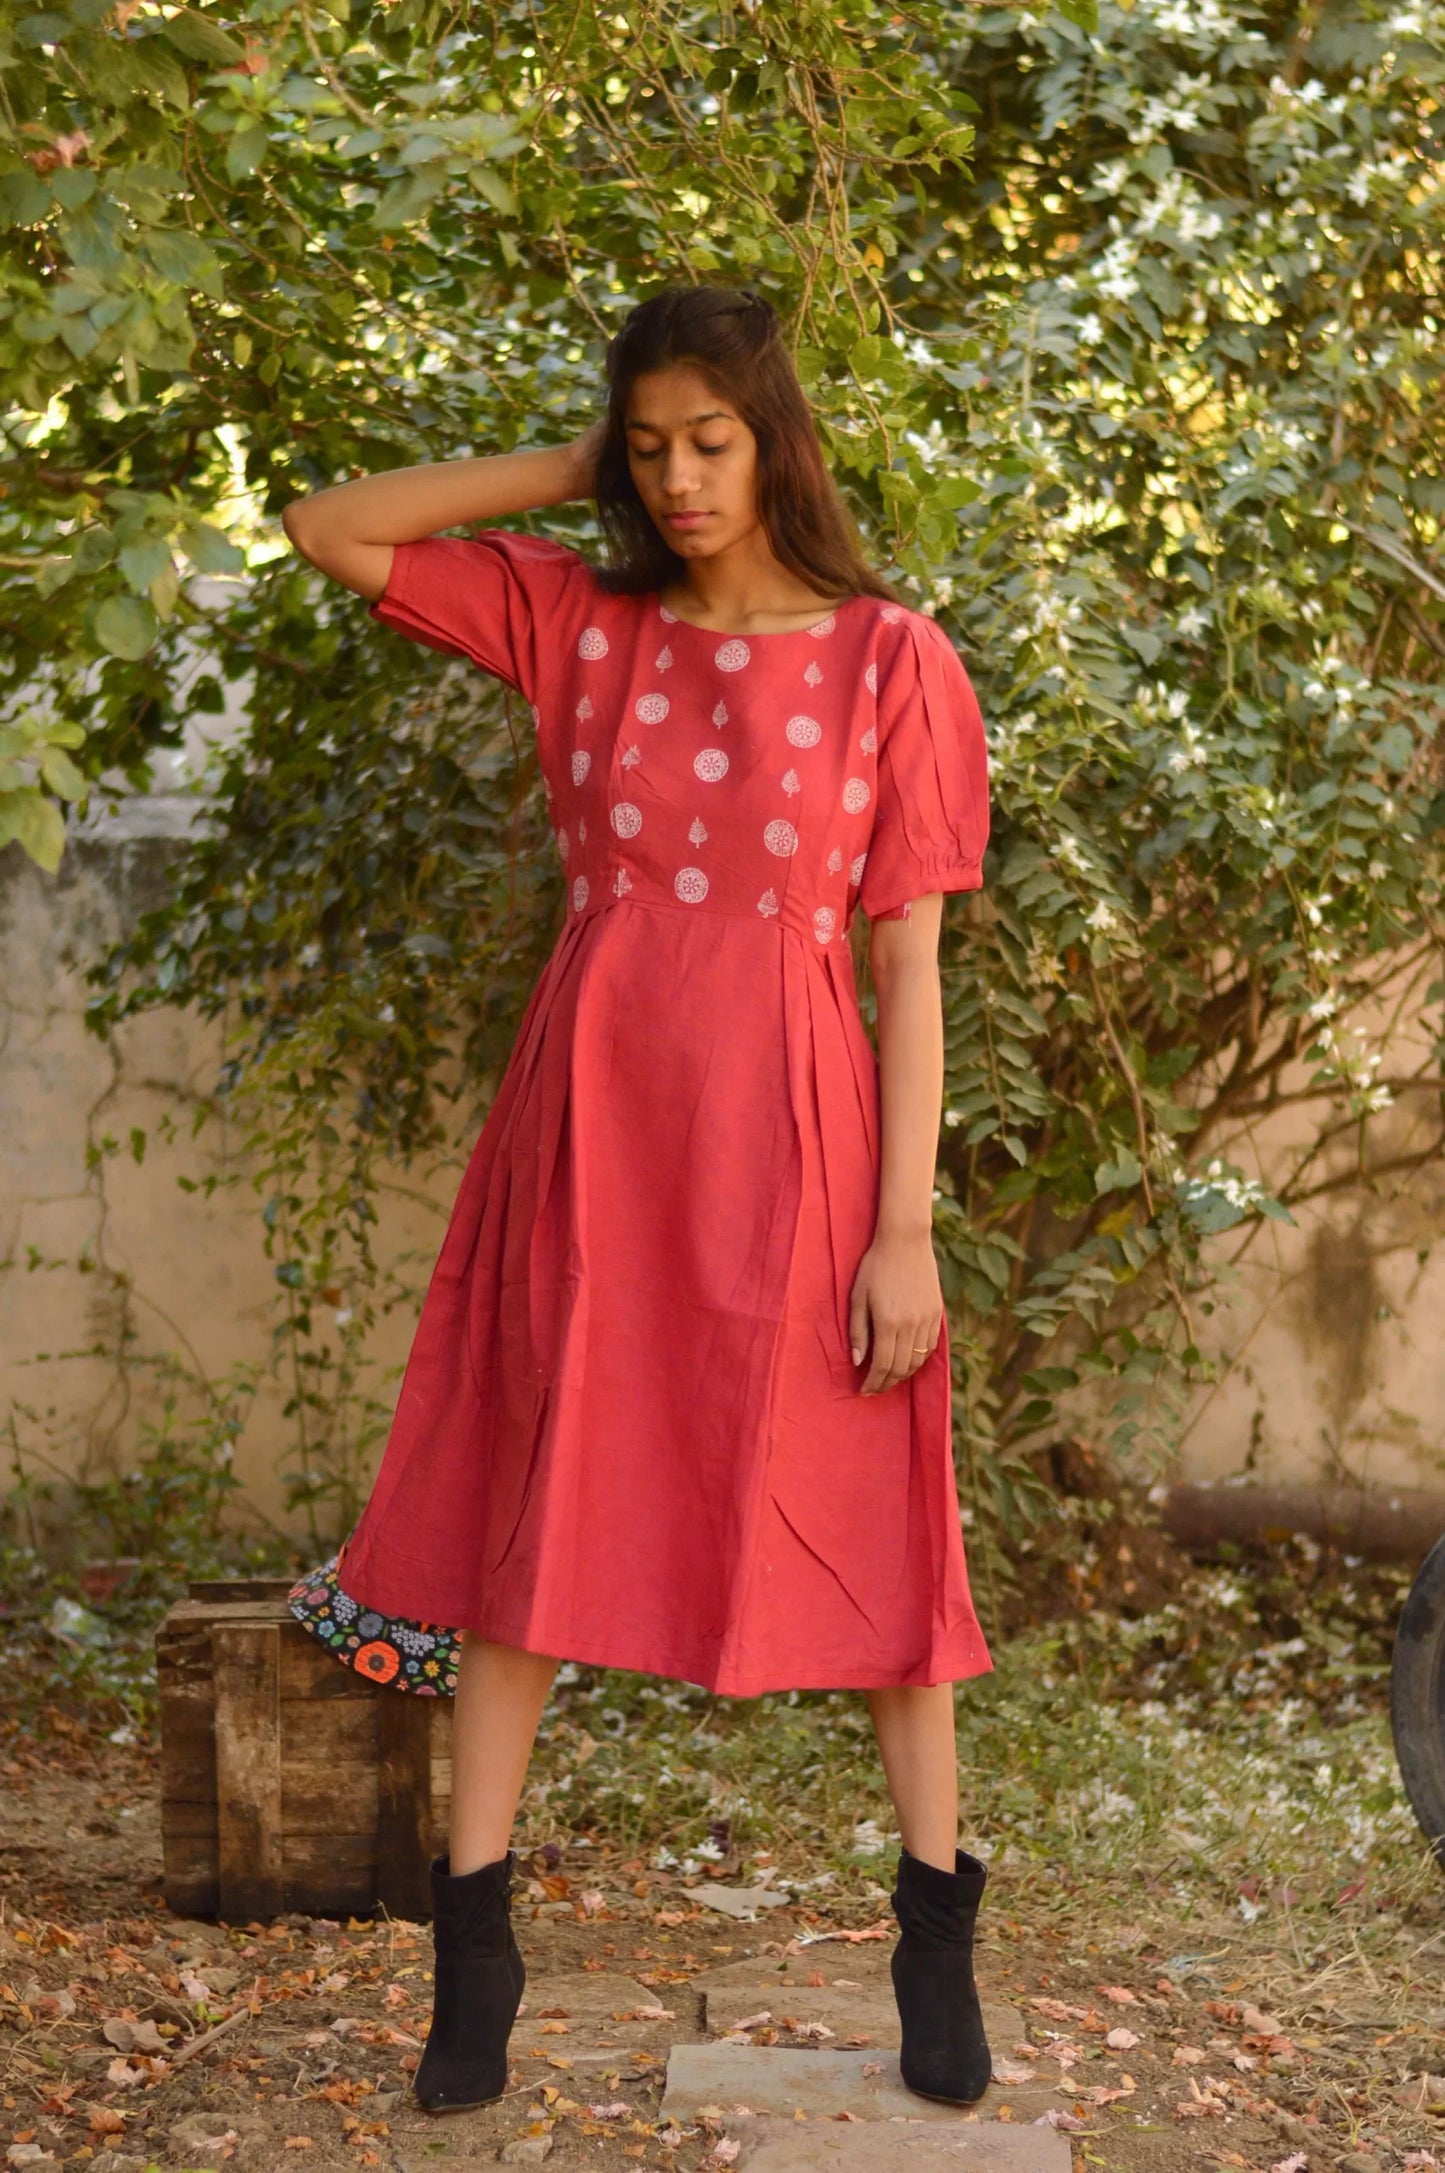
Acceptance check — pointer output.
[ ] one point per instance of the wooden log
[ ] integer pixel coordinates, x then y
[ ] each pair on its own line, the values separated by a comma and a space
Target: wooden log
1384, 1524
247, 1671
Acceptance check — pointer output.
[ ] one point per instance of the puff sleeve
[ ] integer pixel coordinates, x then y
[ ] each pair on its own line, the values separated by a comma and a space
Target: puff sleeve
496, 598
931, 819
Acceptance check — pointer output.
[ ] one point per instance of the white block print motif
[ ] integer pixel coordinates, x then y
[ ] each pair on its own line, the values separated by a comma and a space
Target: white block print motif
690, 885
856, 795
733, 656
824, 922
591, 643
626, 818
803, 731
652, 708
710, 764
781, 838
581, 764
697, 831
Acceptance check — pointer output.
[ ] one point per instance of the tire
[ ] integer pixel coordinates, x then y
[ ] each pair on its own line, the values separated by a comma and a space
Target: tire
1417, 1698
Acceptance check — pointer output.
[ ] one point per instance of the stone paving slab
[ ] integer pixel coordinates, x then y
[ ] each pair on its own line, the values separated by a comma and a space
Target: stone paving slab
782, 2080
862, 1968
869, 2012
827, 2147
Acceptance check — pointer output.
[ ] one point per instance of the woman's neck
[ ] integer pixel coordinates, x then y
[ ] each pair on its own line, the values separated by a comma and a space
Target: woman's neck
745, 590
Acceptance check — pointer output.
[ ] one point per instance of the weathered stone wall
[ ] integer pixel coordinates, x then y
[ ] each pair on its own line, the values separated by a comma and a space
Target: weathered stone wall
1339, 1365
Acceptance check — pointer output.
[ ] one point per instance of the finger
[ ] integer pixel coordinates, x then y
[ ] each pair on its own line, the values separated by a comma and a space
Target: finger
858, 1326
884, 1370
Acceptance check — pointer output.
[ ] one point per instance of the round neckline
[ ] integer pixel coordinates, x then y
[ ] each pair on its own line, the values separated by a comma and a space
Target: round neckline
723, 633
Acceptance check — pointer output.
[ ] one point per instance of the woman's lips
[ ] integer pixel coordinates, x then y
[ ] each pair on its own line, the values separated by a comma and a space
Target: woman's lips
684, 520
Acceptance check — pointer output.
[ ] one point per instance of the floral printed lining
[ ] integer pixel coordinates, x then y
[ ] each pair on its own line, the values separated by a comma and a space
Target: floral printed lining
417, 1656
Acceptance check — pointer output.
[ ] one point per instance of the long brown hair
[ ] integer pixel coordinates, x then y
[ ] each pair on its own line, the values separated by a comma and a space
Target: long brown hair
734, 337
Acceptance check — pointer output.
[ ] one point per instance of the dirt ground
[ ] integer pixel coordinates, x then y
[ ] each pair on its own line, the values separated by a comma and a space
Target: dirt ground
1230, 2055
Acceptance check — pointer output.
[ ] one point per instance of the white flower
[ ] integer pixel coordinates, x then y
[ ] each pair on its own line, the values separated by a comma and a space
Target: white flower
1103, 918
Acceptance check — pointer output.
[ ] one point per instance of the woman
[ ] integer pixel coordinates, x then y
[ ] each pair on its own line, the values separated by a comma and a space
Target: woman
679, 1399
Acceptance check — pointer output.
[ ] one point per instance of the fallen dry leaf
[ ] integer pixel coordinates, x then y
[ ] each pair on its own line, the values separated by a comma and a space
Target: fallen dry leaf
1012, 2071
1121, 2040
1188, 2056
297, 2142
1056, 2117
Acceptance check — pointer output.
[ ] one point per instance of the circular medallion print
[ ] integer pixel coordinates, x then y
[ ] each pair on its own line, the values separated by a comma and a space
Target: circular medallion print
564, 843
856, 794
732, 656
824, 628
710, 764
690, 885
580, 892
803, 731
870, 679
669, 616
626, 819
891, 614
781, 838
824, 922
652, 708
591, 643
581, 764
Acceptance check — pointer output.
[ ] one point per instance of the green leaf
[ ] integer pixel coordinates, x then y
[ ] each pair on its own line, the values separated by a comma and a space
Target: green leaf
62, 776
36, 825
201, 38
1120, 1174
125, 627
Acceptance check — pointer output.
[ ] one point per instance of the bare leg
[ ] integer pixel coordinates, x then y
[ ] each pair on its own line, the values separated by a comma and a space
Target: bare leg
500, 1695
914, 1726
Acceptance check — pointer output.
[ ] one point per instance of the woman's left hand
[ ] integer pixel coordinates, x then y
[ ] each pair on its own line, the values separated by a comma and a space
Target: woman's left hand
897, 1291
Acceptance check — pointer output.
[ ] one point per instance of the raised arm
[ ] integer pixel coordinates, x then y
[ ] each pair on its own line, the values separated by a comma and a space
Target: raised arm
349, 531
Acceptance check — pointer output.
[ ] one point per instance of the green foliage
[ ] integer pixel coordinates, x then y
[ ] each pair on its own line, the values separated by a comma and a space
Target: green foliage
1143, 402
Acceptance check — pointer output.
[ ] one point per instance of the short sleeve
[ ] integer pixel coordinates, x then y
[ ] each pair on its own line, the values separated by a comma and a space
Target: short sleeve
496, 598
930, 824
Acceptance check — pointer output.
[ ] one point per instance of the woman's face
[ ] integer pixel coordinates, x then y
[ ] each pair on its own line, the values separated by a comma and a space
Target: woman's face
693, 459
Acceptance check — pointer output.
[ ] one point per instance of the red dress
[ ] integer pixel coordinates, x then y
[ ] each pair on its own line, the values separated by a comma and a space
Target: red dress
631, 1432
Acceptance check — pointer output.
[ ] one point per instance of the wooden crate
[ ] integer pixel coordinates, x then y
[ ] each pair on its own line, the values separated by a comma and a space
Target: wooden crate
289, 1781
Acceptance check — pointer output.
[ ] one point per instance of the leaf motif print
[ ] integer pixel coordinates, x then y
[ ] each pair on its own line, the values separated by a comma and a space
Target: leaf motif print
733, 656
835, 860
791, 781
584, 709
781, 838
710, 764
581, 829
869, 742
697, 831
891, 614
855, 869
768, 903
621, 883
690, 885
581, 764
630, 756
814, 674
856, 795
591, 643
564, 844
652, 708
664, 661
803, 731
720, 714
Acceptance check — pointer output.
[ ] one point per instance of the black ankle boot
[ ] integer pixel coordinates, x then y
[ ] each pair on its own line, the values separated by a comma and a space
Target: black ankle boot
945, 2053
478, 1981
